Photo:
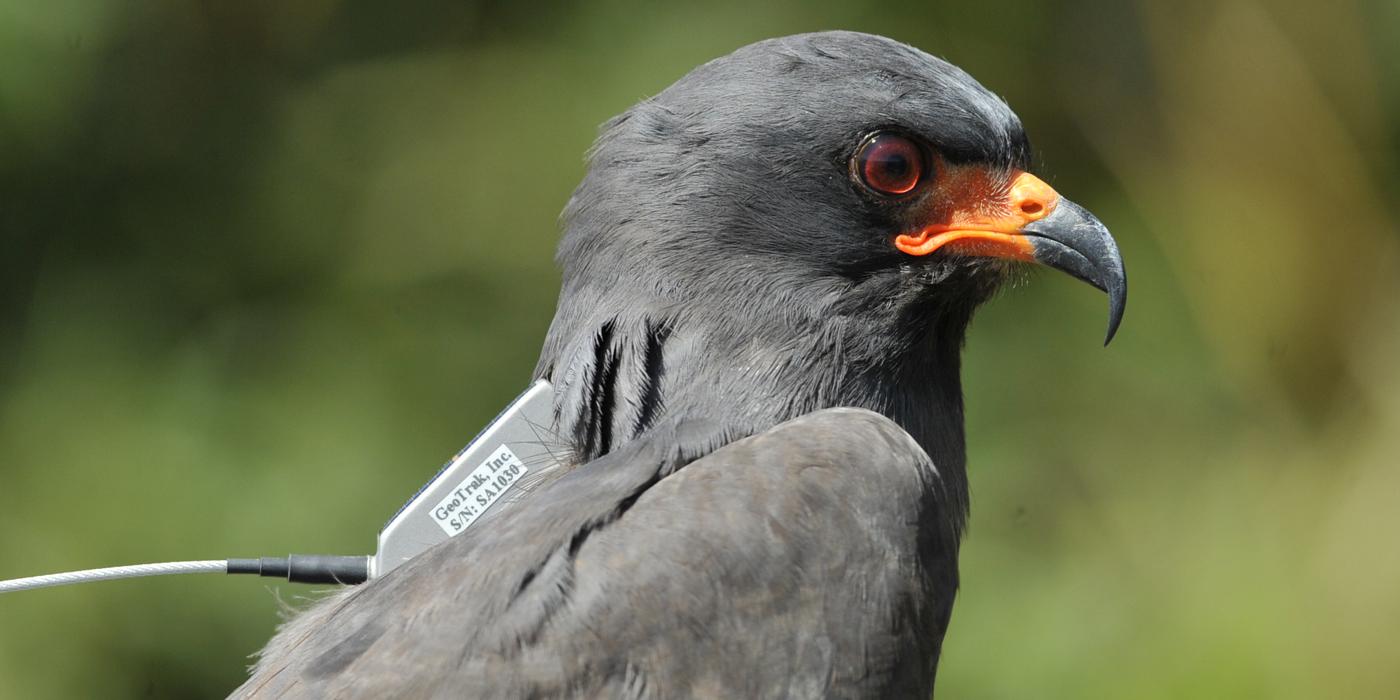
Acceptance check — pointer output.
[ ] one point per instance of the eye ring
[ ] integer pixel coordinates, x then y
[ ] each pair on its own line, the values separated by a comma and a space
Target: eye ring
889, 164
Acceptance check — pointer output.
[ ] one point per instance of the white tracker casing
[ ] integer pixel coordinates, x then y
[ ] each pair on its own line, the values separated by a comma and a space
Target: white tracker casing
515, 453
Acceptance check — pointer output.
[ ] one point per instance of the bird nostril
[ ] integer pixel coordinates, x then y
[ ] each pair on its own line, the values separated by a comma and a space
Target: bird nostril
1031, 207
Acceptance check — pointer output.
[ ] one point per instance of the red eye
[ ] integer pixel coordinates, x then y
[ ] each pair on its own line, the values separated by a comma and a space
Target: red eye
889, 163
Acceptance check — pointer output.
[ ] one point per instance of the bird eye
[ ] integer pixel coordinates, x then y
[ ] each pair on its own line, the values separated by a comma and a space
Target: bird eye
889, 164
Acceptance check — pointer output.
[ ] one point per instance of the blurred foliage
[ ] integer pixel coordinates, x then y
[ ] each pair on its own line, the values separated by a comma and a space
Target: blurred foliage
265, 264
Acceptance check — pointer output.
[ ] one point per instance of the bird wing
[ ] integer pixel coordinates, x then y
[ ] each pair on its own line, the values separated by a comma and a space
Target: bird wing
813, 559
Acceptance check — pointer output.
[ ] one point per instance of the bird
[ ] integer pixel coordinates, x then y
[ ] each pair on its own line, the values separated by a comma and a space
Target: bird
768, 272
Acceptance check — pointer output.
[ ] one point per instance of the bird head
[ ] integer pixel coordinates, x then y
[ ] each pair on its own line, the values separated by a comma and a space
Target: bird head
806, 222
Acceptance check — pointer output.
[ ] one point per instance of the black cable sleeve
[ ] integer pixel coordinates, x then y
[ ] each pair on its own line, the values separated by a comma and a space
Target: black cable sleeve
323, 568
306, 568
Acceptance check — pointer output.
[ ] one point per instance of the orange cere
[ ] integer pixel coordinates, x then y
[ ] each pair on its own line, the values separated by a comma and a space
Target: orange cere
979, 211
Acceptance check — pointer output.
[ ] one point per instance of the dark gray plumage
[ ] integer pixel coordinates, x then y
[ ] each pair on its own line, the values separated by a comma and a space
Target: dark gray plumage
652, 583
725, 277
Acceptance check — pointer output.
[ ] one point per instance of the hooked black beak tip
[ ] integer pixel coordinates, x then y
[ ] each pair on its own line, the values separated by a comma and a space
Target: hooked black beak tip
1073, 241
1117, 302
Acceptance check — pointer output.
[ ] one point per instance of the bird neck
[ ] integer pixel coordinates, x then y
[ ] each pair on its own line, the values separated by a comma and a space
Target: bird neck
617, 376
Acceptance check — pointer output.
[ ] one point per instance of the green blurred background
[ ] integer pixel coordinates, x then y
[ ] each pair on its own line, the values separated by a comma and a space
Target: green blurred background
264, 265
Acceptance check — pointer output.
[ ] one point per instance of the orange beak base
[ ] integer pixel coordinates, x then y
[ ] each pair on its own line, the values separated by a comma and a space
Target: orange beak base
973, 231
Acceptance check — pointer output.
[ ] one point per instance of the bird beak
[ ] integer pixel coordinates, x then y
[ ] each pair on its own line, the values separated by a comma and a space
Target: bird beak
1030, 222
